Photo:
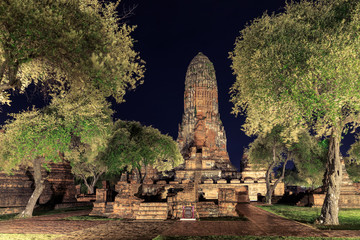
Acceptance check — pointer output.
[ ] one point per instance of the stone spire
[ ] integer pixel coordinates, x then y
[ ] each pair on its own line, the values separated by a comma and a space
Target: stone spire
201, 132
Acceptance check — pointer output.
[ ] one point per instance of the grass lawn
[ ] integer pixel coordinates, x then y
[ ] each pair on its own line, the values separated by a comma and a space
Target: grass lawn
6, 236
349, 218
241, 237
45, 212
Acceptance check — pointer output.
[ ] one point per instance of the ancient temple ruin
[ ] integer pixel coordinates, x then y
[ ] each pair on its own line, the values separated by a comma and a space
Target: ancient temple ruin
202, 138
16, 189
206, 184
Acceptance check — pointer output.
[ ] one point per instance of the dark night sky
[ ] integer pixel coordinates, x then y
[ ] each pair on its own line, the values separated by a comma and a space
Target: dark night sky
169, 34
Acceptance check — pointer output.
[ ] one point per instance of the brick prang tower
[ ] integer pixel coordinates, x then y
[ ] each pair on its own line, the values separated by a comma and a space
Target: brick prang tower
202, 138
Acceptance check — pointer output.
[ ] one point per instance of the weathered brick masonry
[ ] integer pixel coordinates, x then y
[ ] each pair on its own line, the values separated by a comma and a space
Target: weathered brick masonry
16, 189
207, 181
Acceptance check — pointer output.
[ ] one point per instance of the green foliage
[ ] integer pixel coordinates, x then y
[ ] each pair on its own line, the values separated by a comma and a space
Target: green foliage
354, 151
73, 43
63, 127
299, 67
309, 156
353, 161
30, 135
133, 146
261, 151
353, 170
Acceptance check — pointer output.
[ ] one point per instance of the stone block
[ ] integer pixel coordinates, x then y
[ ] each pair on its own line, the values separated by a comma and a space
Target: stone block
235, 181
101, 195
208, 181
221, 181
249, 181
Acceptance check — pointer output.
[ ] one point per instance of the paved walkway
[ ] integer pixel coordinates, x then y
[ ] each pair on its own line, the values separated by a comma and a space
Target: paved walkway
51, 224
81, 230
261, 223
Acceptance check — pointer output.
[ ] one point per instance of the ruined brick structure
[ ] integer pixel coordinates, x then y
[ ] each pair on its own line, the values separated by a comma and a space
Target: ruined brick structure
202, 138
349, 194
16, 189
207, 182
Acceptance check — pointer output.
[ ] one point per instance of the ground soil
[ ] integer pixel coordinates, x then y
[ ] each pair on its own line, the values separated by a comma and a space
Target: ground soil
261, 223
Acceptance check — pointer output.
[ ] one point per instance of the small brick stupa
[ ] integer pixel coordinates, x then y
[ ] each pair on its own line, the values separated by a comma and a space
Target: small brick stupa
202, 138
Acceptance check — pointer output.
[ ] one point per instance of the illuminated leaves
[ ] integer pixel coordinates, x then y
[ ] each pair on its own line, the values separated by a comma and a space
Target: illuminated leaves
79, 43
135, 146
76, 126
299, 68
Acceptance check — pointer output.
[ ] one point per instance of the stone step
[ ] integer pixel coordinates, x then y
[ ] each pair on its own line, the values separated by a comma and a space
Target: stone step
151, 214
153, 208
140, 212
109, 209
151, 217
153, 204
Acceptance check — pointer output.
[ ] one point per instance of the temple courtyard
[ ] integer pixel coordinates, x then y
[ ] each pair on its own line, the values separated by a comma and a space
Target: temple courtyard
258, 223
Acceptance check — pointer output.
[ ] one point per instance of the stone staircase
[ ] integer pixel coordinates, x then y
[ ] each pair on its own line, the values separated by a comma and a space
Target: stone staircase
109, 208
152, 211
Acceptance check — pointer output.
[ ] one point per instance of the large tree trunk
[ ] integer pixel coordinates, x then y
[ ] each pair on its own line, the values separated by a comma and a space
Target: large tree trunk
269, 189
332, 182
39, 187
272, 188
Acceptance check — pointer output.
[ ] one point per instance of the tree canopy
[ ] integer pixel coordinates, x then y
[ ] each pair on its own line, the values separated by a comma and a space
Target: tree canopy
37, 137
133, 146
66, 43
270, 151
58, 128
300, 69
81, 53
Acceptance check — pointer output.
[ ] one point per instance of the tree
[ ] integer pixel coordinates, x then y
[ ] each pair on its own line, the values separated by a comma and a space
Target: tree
35, 137
84, 155
270, 152
309, 156
353, 169
89, 172
77, 49
64, 44
300, 68
133, 146
352, 162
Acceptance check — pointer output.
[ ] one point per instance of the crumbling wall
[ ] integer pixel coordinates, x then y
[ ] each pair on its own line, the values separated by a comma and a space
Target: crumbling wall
16, 189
